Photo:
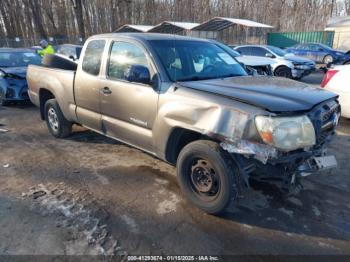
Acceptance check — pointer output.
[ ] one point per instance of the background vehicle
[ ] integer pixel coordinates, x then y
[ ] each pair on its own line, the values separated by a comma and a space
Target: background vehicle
261, 65
69, 50
320, 53
337, 80
13, 68
190, 103
285, 65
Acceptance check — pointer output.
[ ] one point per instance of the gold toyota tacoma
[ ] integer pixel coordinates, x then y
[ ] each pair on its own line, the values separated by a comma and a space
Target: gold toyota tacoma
190, 103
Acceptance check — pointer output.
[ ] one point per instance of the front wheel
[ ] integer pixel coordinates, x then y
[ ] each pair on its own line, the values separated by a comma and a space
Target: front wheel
57, 124
283, 71
207, 176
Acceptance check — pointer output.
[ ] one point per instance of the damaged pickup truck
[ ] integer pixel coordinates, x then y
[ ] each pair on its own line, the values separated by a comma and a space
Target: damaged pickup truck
190, 103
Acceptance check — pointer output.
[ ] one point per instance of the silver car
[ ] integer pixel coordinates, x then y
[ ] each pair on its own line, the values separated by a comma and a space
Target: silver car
286, 65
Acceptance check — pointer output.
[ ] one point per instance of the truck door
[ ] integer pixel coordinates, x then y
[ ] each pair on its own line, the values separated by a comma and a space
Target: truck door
87, 86
128, 108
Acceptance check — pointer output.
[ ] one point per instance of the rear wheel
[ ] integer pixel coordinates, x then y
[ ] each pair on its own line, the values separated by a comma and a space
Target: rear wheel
283, 71
57, 124
207, 176
328, 59
347, 63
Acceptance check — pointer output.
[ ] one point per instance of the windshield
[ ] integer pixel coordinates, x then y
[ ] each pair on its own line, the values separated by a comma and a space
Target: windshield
196, 60
19, 59
278, 51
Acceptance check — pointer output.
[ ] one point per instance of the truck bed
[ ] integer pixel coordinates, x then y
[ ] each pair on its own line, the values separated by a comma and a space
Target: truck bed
59, 82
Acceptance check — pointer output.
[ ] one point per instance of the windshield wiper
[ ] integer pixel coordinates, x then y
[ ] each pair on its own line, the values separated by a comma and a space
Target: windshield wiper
229, 75
194, 78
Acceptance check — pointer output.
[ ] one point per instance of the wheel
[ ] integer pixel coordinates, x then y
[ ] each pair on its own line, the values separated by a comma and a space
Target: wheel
57, 124
328, 59
2, 96
283, 71
347, 63
207, 176
3, 103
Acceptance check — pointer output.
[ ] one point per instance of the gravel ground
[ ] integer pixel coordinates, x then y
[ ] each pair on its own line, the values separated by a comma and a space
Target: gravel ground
92, 195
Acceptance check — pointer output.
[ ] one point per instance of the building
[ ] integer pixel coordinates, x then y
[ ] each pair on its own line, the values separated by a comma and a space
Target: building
341, 27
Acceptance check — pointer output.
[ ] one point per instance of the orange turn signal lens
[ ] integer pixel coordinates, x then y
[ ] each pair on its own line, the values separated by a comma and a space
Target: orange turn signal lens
267, 137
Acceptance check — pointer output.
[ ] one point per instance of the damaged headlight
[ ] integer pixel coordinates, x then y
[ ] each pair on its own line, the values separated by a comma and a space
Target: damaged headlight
286, 133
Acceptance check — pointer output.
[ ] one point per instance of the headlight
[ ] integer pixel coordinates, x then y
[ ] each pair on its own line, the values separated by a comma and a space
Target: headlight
303, 67
286, 133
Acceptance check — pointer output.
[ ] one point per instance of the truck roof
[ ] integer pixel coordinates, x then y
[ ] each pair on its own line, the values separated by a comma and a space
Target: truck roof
147, 36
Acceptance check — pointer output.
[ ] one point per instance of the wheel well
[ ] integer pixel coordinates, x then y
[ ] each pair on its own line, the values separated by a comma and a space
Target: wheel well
178, 139
281, 66
44, 95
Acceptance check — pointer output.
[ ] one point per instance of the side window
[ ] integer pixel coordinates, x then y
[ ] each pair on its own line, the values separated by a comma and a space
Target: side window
244, 50
257, 51
309, 47
123, 55
93, 56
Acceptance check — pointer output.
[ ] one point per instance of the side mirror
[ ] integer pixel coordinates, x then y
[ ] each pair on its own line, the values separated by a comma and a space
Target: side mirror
269, 55
138, 74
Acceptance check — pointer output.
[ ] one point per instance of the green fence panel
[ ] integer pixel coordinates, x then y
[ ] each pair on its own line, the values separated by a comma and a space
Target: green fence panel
288, 39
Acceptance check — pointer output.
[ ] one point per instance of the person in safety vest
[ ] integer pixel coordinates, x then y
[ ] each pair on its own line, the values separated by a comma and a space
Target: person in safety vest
47, 48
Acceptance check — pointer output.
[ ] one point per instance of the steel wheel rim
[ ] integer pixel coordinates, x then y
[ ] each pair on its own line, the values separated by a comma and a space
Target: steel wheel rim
53, 119
204, 180
328, 59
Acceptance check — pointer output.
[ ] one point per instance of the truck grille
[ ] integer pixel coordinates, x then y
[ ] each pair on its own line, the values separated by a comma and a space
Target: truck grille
325, 119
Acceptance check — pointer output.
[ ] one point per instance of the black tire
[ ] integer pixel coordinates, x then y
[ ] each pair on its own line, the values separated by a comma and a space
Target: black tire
3, 102
347, 63
328, 59
59, 62
57, 124
212, 197
283, 71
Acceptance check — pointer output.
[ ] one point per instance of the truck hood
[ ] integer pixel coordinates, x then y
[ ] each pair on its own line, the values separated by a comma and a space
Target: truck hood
274, 94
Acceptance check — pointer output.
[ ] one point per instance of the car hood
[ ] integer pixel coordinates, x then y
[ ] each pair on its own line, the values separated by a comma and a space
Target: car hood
297, 59
274, 94
17, 71
255, 60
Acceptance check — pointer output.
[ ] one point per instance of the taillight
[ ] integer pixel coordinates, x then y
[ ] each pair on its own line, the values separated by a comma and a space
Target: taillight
328, 76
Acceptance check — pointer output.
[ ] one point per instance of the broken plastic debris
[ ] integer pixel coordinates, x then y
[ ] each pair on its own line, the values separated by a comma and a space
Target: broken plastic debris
38, 194
259, 151
6, 165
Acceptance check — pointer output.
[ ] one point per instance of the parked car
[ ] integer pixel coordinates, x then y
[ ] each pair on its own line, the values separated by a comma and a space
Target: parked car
190, 103
69, 50
286, 65
337, 80
13, 67
320, 53
261, 65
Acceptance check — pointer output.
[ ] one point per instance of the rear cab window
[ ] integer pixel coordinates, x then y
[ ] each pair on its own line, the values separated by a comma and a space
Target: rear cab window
122, 56
93, 57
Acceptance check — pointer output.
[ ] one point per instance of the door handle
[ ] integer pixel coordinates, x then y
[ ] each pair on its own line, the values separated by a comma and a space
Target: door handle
106, 90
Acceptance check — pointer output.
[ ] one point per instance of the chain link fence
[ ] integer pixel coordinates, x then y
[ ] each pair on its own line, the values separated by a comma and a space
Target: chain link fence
18, 42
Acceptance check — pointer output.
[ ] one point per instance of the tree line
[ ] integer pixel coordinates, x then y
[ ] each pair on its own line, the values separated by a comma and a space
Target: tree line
71, 19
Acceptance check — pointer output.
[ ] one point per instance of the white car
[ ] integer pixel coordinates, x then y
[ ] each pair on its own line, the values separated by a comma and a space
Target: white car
337, 80
286, 65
